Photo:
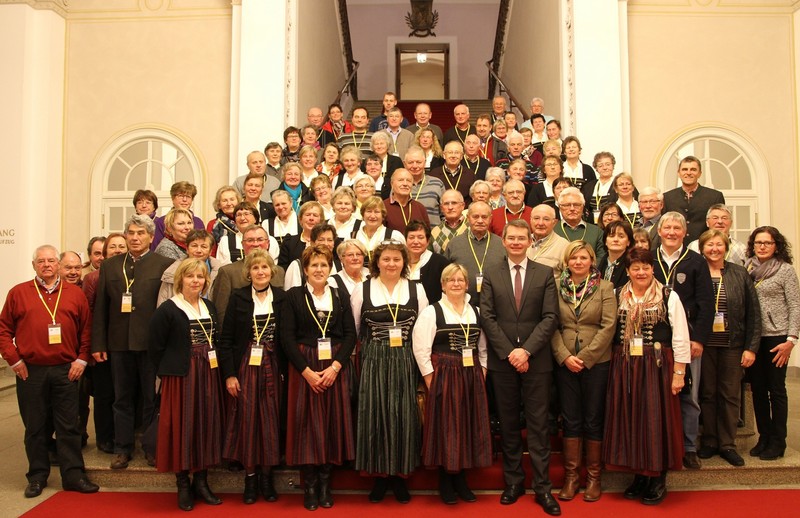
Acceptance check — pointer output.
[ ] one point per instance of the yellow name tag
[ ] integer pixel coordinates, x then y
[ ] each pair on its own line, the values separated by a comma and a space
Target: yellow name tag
256, 354
637, 345
127, 302
719, 323
395, 337
478, 283
54, 334
466, 358
212, 358
324, 351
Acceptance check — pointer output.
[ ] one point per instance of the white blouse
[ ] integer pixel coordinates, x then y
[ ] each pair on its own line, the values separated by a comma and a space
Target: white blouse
379, 296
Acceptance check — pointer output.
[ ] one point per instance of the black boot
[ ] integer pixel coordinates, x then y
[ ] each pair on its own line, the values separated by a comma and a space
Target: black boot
460, 485
250, 488
656, 490
310, 489
267, 485
325, 497
202, 490
446, 490
185, 496
378, 490
637, 487
400, 490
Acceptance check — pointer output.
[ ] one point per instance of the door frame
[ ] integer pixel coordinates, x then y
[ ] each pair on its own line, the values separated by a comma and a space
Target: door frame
429, 48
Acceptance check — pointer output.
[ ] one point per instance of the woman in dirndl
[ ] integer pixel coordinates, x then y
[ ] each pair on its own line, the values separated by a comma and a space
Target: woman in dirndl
182, 345
386, 307
318, 334
249, 365
643, 429
450, 350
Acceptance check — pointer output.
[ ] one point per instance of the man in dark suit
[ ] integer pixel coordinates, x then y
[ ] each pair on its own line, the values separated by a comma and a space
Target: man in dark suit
691, 199
519, 311
127, 292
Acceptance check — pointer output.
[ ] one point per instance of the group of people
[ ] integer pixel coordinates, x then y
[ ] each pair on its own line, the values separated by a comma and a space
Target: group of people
374, 311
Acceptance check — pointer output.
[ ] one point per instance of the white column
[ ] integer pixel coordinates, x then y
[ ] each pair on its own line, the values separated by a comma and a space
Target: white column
259, 76
600, 79
31, 141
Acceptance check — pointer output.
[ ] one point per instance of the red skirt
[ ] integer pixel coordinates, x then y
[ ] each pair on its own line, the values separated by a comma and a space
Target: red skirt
252, 436
319, 426
643, 426
190, 422
456, 432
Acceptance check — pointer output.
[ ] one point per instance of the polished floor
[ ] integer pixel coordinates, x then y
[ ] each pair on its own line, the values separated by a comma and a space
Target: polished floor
12, 476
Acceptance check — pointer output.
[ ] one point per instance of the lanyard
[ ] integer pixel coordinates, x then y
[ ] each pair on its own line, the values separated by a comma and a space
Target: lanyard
447, 177
421, 185
128, 284
197, 319
58, 299
631, 221
518, 214
322, 329
719, 289
565, 232
475, 256
674, 266
389, 302
403, 212
544, 247
477, 164
358, 144
461, 317
458, 134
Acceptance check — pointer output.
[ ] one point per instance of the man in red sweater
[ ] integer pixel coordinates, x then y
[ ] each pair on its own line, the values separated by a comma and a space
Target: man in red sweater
51, 324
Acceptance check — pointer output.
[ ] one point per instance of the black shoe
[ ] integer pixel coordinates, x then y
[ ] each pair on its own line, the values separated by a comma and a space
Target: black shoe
637, 487
706, 452
325, 496
548, 503
35, 488
151, 459
446, 490
106, 447
185, 494
400, 490
378, 490
201, 489
511, 493
733, 458
462, 490
267, 486
656, 490
120, 461
310, 488
759, 448
690, 460
250, 493
771, 453
82, 485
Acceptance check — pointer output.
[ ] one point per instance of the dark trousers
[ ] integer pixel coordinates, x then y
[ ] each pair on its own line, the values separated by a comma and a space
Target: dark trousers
103, 394
48, 390
720, 390
531, 392
770, 402
133, 374
583, 400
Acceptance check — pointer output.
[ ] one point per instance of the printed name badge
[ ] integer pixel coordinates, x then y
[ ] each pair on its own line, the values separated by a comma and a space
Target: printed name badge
54, 334
478, 282
596, 216
127, 302
256, 354
212, 358
395, 337
719, 323
324, 348
466, 358
637, 345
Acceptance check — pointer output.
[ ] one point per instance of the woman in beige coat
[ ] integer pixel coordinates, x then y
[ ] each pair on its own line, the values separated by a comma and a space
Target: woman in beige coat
582, 350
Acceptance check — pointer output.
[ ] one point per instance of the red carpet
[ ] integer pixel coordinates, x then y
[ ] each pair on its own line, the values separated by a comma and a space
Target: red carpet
706, 504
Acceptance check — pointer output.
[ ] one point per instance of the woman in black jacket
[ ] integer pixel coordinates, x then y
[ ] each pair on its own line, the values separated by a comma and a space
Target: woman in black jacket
249, 365
182, 346
424, 266
318, 334
733, 344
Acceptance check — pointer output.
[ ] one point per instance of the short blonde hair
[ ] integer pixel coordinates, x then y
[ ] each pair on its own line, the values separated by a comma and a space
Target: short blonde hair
451, 270
169, 219
258, 256
374, 202
576, 246
188, 266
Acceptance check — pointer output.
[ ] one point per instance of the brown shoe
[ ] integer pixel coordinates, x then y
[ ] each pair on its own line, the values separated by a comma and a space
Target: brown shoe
120, 461
593, 466
572, 462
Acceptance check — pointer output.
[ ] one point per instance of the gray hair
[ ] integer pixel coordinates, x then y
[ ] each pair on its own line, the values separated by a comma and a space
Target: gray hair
456, 193
571, 191
43, 248
649, 191
141, 221
495, 171
380, 135
672, 216
280, 192
719, 206
476, 184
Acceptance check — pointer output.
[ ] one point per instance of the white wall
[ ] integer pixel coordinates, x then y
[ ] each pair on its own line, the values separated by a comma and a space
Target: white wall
31, 104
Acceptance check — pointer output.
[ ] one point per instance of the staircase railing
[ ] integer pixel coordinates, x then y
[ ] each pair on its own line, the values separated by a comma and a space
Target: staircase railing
495, 79
351, 83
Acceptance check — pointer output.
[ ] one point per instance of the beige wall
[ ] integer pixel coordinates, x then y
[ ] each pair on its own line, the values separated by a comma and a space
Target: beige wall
320, 66
168, 68
532, 61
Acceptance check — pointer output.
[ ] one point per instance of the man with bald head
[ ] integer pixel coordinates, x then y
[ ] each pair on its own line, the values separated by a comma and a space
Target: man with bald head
453, 174
426, 189
462, 126
473, 157
69, 267
547, 247
401, 207
499, 108
454, 222
315, 118
422, 115
257, 164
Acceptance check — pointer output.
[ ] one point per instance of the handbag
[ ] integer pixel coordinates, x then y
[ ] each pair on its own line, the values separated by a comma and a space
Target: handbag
150, 434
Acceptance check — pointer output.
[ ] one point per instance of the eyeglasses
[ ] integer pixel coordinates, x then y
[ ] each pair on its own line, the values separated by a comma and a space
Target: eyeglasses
571, 205
763, 243
257, 240
353, 255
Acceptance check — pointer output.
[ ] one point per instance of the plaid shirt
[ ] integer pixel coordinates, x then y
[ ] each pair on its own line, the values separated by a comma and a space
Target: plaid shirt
441, 234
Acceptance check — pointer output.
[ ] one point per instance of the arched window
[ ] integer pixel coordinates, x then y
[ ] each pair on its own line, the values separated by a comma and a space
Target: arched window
145, 158
731, 164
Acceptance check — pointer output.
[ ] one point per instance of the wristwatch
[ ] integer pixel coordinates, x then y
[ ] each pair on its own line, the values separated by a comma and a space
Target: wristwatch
679, 373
